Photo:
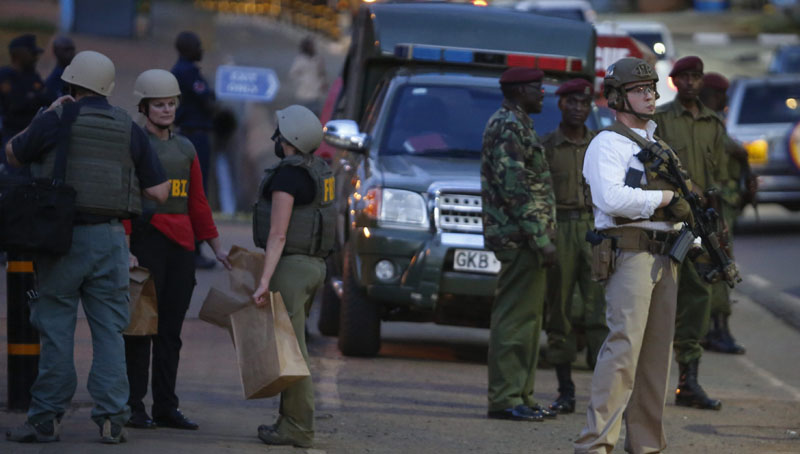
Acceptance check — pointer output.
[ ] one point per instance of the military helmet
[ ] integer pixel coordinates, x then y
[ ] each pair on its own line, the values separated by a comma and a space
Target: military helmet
155, 83
300, 127
627, 70
91, 70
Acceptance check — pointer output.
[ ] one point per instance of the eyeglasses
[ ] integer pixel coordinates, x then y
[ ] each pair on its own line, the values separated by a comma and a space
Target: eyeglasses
642, 90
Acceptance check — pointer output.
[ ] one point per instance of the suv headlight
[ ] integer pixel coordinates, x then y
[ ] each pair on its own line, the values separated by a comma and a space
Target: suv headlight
794, 145
397, 208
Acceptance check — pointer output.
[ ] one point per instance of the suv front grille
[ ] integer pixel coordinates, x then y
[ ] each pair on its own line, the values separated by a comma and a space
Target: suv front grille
459, 213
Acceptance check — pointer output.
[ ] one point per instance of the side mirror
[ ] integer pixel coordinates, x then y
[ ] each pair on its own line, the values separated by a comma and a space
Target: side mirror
345, 134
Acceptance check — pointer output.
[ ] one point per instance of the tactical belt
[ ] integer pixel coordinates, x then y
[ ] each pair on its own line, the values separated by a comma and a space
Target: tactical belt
636, 239
573, 215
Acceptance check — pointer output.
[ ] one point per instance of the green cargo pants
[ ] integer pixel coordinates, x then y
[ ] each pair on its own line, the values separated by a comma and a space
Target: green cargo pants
693, 313
297, 278
574, 269
515, 325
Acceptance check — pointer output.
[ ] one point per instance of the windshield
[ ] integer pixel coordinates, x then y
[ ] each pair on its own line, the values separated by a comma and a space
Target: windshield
654, 41
443, 120
770, 103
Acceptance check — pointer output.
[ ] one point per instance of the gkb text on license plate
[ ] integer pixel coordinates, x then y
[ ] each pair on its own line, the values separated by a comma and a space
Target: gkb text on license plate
478, 261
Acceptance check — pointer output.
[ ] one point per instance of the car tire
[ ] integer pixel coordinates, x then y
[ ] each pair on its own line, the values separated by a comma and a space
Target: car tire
359, 321
329, 310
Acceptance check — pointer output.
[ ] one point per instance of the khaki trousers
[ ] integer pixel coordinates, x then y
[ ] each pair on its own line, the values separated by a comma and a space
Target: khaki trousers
632, 371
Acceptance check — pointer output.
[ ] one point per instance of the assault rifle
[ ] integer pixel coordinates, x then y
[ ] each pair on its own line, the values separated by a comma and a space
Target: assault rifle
663, 162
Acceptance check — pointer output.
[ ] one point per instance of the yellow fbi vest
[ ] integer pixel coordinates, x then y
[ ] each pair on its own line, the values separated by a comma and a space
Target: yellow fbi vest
99, 163
311, 227
176, 155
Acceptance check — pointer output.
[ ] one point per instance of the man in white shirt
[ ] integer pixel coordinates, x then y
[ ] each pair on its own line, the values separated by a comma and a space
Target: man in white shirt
639, 214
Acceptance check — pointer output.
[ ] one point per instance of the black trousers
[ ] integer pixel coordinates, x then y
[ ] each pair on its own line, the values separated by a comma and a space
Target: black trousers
172, 268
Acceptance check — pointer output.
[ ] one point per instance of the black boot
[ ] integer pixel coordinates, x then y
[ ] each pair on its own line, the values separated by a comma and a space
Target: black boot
712, 337
725, 343
689, 392
565, 403
719, 338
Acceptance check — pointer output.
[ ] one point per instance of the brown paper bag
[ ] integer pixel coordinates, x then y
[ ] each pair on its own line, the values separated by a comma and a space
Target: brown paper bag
143, 304
266, 348
219, 305
246, 272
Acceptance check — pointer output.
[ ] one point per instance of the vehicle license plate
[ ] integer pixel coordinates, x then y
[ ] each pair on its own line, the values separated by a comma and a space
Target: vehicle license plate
478, 261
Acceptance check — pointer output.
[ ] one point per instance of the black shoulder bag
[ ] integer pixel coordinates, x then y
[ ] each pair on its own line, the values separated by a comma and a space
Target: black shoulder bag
36, 215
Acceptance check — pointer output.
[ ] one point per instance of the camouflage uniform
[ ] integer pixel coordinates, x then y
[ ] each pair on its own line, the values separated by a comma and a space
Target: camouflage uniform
518, 220
574, 219
700, 145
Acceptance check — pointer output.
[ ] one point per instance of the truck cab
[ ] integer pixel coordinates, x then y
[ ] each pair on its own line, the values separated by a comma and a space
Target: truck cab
419, 84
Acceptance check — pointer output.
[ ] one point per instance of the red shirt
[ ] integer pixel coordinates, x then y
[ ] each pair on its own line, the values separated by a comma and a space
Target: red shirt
186, 229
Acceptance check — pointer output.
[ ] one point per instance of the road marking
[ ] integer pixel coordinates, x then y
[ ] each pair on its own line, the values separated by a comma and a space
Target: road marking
327, 386
781, 304
769, 378
758, 281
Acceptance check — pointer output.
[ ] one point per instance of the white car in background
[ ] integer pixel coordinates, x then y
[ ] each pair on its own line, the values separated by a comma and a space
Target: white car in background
658, 40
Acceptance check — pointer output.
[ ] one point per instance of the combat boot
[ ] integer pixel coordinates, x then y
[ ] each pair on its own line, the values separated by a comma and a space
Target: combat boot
565, 403
723, 341
728, 343
689, 392
712, 335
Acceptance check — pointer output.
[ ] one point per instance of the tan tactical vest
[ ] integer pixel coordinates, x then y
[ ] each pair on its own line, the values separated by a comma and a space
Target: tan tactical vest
654, 180
311, 227
176, 156
99, 163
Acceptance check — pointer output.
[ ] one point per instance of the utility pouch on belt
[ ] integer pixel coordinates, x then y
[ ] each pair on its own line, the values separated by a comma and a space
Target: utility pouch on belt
603, 255
681, 245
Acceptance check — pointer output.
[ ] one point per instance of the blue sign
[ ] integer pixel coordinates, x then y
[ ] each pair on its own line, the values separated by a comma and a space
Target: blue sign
243, 82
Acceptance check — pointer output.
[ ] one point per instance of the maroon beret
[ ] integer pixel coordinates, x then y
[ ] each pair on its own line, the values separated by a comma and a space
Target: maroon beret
518, 75
690, 63
575, 86
715, 81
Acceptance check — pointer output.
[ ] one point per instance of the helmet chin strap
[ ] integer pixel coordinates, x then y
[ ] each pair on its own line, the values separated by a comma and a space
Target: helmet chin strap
627, 108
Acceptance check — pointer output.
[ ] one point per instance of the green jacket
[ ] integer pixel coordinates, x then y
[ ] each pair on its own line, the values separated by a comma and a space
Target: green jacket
565, 159
519, 205
698, 142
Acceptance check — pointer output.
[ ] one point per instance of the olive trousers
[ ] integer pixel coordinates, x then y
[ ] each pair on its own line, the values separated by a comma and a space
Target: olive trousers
297, 278
574, 270
632, 373
516, 322
693, 314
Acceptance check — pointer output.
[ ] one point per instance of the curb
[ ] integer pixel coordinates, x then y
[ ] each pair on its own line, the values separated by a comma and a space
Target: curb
786, 307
